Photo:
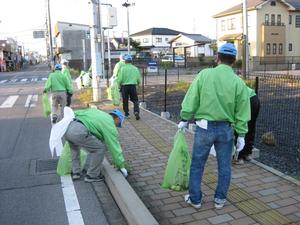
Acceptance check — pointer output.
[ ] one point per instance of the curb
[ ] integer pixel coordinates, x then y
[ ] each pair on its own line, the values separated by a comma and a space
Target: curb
132, 208
259, 164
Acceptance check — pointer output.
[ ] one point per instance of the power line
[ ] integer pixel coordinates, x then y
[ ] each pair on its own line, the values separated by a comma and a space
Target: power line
23, 31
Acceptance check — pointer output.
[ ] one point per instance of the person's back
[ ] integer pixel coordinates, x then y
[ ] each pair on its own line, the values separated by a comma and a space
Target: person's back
57, 82
129, 74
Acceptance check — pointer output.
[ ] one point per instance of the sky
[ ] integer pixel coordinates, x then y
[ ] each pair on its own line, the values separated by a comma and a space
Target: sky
20, 17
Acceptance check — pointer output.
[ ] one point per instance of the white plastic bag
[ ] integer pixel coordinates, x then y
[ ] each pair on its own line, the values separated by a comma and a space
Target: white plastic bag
58, 130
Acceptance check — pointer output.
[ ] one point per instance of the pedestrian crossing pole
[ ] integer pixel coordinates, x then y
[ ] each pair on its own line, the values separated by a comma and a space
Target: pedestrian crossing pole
96, 57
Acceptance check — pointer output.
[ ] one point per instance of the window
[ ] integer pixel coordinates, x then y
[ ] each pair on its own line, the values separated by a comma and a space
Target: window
279, 19
267, 19
268, 48
231, 24
273, 19
297, 21
145, 40
166, 39
290, 19
158, 40
280, 49
290, 47
274, 50
223, 25
273, 3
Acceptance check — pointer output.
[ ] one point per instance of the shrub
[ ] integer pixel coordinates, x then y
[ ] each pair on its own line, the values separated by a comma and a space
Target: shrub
268, 138
166, 65
86, 95
179, 86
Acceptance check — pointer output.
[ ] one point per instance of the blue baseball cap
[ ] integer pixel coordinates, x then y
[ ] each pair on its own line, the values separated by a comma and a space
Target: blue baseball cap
128, 57
228, 49
58, 67
118, 114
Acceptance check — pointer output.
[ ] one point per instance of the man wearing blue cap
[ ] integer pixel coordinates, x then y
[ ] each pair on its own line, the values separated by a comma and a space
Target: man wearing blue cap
128, 77
95, 131
59, 86
219, 102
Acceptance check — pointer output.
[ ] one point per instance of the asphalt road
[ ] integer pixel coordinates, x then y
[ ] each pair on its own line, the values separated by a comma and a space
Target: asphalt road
30, 191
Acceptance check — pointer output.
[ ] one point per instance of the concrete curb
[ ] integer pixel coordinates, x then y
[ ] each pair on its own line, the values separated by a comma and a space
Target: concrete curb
132, 208
259, 164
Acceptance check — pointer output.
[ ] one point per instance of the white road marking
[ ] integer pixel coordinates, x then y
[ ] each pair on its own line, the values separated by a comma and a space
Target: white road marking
9, 102
31, 101
23, 80
14, 80
34, 80
2, 81
44, 78
71, 201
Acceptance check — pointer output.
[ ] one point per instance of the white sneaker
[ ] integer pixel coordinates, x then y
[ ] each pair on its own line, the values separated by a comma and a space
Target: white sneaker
187, 199
219, 203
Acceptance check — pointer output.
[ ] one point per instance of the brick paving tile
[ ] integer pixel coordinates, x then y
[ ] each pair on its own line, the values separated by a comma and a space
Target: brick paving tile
220, 219
182, 219
199, 222
204, 214
243, 221
269, 198
288, 209
237, 214
286, 202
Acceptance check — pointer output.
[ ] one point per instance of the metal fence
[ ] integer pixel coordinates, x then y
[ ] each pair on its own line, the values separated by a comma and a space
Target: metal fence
279, 115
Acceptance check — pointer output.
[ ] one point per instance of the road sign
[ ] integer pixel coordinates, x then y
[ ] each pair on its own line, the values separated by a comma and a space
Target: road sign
39, 34
152, 67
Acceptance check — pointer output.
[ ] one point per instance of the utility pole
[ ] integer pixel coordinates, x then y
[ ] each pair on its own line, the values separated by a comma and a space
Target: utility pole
52, 61
97, 69
245, 41
127, 5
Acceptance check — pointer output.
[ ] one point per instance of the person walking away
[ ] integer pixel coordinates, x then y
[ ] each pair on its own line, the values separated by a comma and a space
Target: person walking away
66, 72
94, 131
128, 77
118, 65
246, 153
218, 100
58, 85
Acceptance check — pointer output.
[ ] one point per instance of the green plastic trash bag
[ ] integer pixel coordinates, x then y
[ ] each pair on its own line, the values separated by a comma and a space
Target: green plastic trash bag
178, 167
115, 94
64, 166
46, 105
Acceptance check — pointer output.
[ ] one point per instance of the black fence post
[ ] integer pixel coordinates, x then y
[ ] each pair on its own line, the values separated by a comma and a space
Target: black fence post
177, 72
288, 68
265, 65
165, 105
256, 85
143, 85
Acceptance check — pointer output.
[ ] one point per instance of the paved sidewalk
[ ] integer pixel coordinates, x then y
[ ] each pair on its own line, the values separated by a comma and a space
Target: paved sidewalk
256, 196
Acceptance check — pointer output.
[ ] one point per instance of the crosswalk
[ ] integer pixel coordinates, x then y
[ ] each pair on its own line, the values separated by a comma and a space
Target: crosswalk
11, 101
23, 80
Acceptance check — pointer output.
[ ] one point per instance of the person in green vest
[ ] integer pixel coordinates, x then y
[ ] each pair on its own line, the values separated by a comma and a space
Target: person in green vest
118, 65
128, 78
219, 102
95, 131
246, 152
58, 85
66, 72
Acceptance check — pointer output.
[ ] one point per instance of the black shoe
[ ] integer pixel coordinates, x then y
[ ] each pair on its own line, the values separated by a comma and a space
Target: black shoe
54, 118
137, 116
93, 179
76, 176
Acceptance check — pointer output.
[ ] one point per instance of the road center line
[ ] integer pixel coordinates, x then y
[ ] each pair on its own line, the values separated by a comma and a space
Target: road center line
71, 201
9, 102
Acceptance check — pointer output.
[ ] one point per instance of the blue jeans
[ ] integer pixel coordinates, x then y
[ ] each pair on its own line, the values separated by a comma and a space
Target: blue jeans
219, 134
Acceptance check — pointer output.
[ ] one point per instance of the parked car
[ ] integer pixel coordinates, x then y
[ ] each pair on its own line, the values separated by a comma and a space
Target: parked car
179, 60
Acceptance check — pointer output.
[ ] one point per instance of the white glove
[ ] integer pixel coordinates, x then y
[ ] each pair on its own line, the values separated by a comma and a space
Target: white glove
240, 143
124, 172
183, 125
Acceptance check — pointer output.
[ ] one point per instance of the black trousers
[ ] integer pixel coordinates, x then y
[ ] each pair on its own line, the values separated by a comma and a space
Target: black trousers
69, 96
250, 136
129, 92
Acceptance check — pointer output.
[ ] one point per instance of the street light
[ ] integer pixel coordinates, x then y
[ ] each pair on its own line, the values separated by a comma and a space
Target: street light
127, 4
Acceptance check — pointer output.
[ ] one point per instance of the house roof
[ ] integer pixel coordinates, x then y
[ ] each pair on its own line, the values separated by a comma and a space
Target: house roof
198, 38
156, 31
253, 4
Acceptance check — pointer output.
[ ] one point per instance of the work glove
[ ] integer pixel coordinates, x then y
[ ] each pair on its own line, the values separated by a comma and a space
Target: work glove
124, 172
183, 125
240, 143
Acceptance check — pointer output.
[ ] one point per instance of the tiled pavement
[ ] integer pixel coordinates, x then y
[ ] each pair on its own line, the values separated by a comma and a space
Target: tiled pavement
256, 196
